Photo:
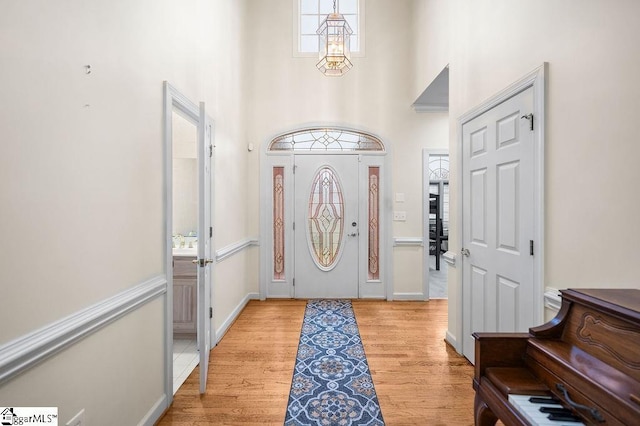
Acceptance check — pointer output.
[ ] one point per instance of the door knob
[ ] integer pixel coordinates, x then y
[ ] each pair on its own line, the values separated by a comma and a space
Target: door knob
202, 262
353, 234
465, 252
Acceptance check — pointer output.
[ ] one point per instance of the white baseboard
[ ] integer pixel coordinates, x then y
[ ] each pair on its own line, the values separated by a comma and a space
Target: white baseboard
409, 296
156, 412
451, 339
222, 330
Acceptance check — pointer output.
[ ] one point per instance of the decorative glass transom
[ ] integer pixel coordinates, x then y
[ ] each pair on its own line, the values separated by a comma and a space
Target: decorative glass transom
325, 218
438, 167
311, 140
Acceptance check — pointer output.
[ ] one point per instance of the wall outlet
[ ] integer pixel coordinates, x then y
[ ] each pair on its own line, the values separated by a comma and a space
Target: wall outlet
399, 216
77, 420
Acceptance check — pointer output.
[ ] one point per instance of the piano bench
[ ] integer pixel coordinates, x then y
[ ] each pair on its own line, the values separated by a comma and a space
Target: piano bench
515, 380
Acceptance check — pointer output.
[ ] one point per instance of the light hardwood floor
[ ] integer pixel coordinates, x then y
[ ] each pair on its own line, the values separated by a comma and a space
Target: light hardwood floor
419, 379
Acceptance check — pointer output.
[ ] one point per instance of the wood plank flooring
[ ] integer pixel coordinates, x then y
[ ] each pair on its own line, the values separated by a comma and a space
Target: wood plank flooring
419, 379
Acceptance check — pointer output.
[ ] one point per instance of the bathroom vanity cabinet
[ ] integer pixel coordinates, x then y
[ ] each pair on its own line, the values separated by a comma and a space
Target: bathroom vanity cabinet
184, 295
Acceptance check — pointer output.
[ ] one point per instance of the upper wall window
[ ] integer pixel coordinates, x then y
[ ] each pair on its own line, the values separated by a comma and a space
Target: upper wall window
310, 15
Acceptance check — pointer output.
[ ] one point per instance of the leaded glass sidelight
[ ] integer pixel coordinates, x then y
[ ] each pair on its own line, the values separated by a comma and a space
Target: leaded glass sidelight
325, 218
278, 223
374, 224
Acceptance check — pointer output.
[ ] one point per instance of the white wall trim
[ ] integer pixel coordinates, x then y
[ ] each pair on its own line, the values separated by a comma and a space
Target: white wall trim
21, 354
552, 298
451, 339
407, 241
234, 248
156, 411
221, 331
409, 296
450, 258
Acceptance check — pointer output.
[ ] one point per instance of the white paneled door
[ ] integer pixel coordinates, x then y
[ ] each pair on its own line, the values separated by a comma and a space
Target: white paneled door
326, 226
205, 261
498, 220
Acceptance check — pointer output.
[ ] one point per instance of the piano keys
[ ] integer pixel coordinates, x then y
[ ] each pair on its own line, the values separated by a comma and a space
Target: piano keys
587, 358
548, 413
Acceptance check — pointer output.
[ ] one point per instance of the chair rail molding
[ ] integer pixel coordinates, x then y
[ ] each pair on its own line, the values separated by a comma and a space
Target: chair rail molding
19, 355
552, 299
407, 241
234, 248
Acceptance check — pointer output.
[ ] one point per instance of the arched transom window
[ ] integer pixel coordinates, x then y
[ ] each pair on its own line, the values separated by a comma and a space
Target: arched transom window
326, 139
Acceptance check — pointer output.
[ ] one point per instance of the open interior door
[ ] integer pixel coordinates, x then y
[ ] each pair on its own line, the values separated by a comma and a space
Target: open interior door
205, 262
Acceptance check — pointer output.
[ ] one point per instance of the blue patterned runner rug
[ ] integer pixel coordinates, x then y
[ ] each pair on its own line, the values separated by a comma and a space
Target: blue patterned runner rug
331, 380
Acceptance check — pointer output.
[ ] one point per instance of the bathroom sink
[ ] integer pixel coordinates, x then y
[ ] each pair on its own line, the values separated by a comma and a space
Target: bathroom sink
185, 251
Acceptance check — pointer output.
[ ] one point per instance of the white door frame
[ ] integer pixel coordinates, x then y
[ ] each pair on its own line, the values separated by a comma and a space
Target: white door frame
382, 288
536, 80
174, 99
426, 153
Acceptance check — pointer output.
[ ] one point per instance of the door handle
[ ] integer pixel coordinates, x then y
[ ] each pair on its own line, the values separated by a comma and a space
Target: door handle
202, 262
465, 252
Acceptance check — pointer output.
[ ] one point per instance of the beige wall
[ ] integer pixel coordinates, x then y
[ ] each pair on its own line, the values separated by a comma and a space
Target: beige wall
591, 174
81, 169
286, 92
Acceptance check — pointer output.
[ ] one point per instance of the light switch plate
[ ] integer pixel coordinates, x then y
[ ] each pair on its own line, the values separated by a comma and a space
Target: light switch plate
399, 216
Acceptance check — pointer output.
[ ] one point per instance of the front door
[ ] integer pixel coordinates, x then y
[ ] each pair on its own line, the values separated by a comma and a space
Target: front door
326, 226
498, 220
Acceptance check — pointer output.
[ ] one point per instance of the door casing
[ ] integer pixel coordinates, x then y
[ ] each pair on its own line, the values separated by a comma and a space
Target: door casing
536, 80
175, 99
270, 288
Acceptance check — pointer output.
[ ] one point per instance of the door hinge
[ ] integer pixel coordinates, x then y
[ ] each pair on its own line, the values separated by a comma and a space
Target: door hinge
210, 312
294, 282
211, 232
531, 247
530, 118
294, 226
210, 150
294, 169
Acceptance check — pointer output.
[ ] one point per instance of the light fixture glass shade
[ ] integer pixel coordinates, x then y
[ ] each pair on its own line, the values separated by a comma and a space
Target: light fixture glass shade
335, 53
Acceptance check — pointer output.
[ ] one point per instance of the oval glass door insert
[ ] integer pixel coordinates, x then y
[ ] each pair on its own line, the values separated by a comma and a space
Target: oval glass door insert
325, 223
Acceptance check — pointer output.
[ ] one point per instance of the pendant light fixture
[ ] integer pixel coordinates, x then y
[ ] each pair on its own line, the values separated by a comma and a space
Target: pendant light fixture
335, 36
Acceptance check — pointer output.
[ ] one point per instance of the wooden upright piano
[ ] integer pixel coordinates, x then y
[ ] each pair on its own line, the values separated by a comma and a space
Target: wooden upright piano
584, 365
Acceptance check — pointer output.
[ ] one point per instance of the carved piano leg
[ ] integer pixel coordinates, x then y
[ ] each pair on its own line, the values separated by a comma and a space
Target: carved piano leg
483, 414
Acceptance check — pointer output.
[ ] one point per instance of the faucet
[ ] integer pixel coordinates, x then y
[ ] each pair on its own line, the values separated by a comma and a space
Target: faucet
180, 238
